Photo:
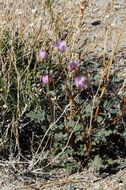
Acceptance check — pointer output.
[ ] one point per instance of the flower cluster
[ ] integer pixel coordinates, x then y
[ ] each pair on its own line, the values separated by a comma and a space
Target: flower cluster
61, 45
80, 81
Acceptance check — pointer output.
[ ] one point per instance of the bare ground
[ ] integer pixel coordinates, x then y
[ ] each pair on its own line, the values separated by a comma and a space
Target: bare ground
103, 26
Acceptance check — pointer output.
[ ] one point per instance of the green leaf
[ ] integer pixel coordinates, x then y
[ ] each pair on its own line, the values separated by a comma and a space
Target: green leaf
38, 116
97, 77
72, 124
79, 138
96, 163
58, 136
124, 135
110, 161
78, 128
88, 108
99, 118
58, 146
58, 127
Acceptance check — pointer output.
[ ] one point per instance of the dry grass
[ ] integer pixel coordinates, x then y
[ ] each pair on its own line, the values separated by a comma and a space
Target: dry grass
39, 24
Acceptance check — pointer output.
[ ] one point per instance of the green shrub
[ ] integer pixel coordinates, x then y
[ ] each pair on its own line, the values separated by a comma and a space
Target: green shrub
60, 112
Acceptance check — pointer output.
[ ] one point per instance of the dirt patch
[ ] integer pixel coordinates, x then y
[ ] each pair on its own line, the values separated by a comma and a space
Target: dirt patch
59, 180
103, 32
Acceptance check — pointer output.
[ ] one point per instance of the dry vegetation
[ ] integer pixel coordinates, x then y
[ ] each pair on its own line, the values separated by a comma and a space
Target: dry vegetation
95, 33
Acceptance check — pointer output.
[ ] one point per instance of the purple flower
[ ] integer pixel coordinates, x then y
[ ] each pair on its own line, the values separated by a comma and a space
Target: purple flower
72, 65
46, 79
80, 82
43, 54
61, 45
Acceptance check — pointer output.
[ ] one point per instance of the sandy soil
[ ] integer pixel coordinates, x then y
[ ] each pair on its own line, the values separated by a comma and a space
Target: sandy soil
103, 23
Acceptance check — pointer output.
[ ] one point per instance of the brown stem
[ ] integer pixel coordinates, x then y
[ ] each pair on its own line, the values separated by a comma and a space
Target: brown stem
72, 99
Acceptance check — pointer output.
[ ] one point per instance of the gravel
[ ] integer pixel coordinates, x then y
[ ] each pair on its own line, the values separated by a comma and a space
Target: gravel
100, 16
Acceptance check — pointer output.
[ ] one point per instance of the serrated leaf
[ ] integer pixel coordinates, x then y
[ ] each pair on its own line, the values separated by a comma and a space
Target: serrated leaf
39, 116
79, 138
58, 136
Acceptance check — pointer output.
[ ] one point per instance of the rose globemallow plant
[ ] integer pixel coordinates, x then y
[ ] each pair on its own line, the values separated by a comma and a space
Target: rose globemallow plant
72, 65
61, 45
43, 54
80, 82
46, 79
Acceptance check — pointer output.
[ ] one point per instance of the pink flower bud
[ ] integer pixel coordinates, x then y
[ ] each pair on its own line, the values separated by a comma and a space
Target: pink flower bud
72, 65
46, 79
43, 54
80, 82
61, 45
